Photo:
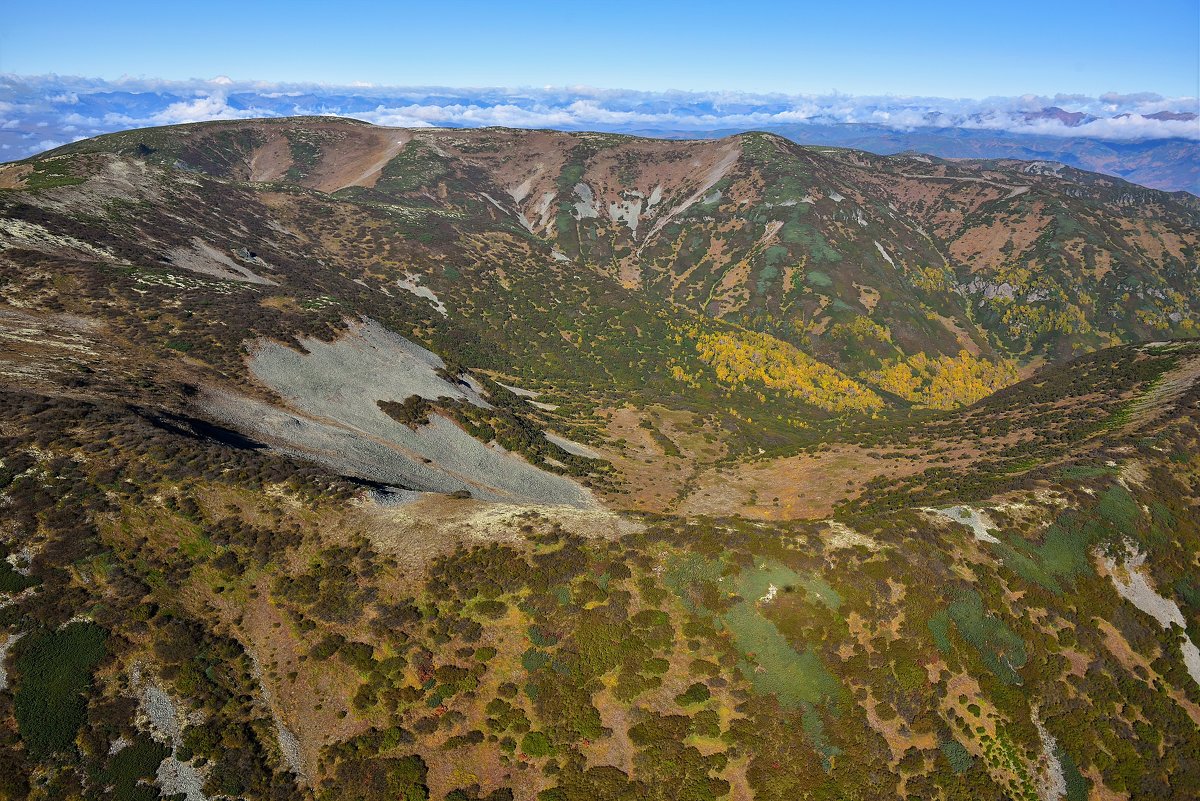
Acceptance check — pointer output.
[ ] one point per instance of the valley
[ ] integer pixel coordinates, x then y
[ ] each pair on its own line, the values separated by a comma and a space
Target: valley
352, 462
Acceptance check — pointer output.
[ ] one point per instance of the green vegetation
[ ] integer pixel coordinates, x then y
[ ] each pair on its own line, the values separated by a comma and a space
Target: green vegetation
696, 693
131, 771
1000, 648
417, 167
380, 779
762, 354
53, 672
413, 412
52, 173
305, 148
770, 661
1003, 756
12, 581
958, 757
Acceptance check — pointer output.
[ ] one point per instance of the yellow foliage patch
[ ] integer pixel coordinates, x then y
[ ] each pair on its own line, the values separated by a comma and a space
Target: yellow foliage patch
931, 279
945, 382
752, 358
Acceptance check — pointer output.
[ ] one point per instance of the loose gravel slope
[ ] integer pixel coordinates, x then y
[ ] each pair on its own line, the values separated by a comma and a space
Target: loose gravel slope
332, 416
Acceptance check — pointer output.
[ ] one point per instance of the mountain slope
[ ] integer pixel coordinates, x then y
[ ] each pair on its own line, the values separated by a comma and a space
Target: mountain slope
773, 221
346, 462
1169, 164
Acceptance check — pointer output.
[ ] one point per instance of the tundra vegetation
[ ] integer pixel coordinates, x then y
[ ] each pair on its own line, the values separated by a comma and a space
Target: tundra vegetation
746, 318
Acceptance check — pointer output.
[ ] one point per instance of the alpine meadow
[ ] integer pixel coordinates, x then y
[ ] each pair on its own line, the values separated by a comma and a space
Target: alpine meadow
686, 461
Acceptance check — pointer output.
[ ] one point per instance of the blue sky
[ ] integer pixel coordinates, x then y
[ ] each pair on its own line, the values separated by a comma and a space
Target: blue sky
946, 49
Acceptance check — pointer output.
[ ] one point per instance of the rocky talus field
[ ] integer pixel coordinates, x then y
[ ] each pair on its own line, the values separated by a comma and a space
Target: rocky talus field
350, 462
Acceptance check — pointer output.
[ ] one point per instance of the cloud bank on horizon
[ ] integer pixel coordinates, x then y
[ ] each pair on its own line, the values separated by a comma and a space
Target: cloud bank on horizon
41, 112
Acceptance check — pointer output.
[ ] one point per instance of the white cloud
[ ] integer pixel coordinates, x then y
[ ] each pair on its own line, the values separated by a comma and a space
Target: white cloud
67, 105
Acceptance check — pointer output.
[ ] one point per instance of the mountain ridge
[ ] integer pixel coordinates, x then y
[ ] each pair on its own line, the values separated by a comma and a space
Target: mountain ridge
497, 465
539, 206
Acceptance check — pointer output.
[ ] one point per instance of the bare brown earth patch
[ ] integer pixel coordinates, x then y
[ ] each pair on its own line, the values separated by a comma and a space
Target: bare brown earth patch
1131, 660
808, 485
432, 525
1100, 790
657, 463
351, 155
961, 334
48, 351
270, 162
12, 176
896, 730
735, 774
616, 749
960, 686
1078, 661
360, 162
986, 247
298, 687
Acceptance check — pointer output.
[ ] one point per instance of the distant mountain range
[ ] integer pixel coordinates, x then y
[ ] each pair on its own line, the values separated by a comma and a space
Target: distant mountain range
1169, 164
1143, 138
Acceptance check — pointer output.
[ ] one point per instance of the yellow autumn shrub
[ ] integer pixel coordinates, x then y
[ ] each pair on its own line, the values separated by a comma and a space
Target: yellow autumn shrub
747, 359
944, 382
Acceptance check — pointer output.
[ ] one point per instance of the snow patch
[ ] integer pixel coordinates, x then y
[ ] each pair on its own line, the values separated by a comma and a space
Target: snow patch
166, 726
521, 191
495, 202
203, 258
21, 560
330, 414
367, 354
1191, 658
586, 205
16, 233
1134, 586
289, 746
842, 536
1043, 168
629, 211
884, 253
718, 171
1051, 782
524, 393
9, 641
570, 446
975, 519
544, 209
412, 283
